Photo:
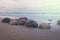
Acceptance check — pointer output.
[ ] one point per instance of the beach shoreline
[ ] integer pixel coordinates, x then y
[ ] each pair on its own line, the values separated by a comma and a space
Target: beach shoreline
19, 32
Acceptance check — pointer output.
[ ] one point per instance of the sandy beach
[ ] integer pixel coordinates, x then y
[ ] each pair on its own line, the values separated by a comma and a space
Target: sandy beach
17, 32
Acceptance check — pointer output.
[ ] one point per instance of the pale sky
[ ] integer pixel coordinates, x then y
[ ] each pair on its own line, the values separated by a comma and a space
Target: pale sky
30, 6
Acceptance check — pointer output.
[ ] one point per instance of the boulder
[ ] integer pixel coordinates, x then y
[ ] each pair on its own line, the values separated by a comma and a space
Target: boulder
23, 18
58, 22
21, 21
13, 22
31, 23
6, 20
44, 26
49, 20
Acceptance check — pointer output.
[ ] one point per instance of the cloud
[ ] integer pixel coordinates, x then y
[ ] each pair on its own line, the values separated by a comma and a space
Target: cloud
30, 5
7, 4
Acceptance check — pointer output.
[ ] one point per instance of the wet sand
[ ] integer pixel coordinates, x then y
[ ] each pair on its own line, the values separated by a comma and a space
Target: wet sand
16, 32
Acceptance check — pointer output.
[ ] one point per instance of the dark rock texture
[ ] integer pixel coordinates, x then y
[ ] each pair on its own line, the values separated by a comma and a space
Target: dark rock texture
31, 23
6, 20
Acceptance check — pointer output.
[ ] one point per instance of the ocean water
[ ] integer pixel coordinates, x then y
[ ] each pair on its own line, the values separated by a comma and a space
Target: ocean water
32, 16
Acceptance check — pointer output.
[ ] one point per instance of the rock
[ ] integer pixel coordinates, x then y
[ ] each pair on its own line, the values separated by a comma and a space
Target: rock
6, 20
58, 22
49, 20
13, 22
23, 18
44, 26
31, 23
21, 21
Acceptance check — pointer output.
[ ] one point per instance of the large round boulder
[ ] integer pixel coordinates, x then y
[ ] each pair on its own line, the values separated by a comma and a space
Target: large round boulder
21, 21
13, 22
44, 26
6, 20
31, 23
58, 22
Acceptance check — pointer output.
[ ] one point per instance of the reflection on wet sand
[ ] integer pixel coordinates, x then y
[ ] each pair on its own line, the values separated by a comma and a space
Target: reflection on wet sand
13, 32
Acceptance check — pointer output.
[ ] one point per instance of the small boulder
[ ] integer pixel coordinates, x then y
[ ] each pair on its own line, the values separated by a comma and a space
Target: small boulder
49, 20
6, 20
31, 23
44, 26
58, 22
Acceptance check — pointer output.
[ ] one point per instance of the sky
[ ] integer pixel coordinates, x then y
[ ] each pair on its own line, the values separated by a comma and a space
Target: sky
30, 6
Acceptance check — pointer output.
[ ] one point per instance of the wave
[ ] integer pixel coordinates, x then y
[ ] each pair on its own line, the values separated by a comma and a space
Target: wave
8, 17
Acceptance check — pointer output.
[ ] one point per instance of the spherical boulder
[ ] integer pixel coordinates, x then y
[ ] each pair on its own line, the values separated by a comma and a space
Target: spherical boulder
6, 20
31, 23
50, 20
58, 22
21, 21
13, 22
44, 26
